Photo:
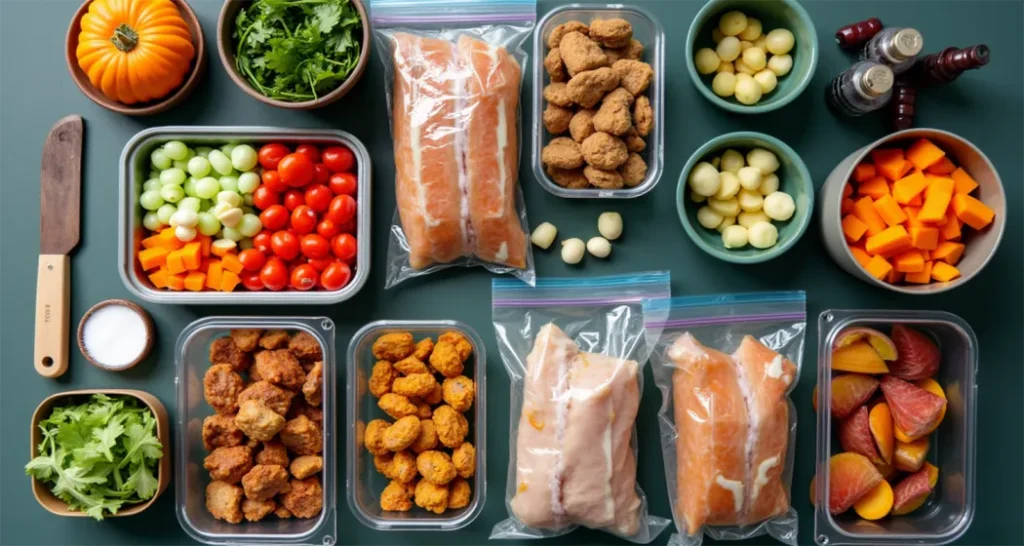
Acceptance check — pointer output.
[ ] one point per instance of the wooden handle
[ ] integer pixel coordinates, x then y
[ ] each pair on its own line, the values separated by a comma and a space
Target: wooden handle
53, 315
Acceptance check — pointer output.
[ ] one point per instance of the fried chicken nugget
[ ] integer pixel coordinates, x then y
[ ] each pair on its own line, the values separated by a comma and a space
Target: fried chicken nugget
619, 94
459, 494
554, 67
304, 345
643, 116
302, 436
221, 386
280, 367
589, 87
397, 406
306, 465
411, 365
229, 464
403, 467
383, 464
312, 389
557, 93
256, 510
414, 385
373, 438
246, 339
305, 499
395, 498
634, 50
604, 151
635, 76
561, 30
423, 409
435, 396
381, 378
561, 153
634, 142
430, 497
219, 430
608, 180
224, 351
459, 392
582, 124
393, 347
613, 117
580, 53
402, 434
274, 339
224, 501
451, 426
257, 421
556, 119
462, 345
282, 512
273, 452
277, 399
568, 178
436, 467
313, 413
423, 349
613, 33
264, 481
634, 170
464, 459
427, 438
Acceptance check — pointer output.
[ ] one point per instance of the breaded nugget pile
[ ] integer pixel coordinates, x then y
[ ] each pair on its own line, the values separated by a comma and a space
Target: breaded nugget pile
266, 437
424, 452
596, 95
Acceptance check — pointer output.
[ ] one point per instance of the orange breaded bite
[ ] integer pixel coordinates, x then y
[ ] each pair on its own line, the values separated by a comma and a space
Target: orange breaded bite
402, 434
462, 345
393, 347
403, 467
302, 436
436, 467
312, 388
382, 377
395, 498
433, 498
458, 392
464, 459
273, 452
373, 438
264, 481
306, 465
423, 349
451, 426
397, 406
257, 421
411, 365
255, 510
446, 360
459, 494
414, 385
274, 339
427, 438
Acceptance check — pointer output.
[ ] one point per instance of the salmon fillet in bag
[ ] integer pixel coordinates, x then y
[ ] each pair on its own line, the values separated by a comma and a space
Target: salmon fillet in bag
453, 75
725, 365
575, 350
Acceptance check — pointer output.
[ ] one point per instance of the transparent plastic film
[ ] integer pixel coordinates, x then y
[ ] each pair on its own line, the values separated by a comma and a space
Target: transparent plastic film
575, 350
453, 77
725, 365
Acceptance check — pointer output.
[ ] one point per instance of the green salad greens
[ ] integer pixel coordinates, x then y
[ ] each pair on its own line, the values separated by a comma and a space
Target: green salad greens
99, 455
297, 50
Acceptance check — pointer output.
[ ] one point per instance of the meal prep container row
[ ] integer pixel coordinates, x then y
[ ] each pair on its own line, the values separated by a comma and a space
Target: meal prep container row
191, 355
650, 33
363, 484
134, 169
949, 511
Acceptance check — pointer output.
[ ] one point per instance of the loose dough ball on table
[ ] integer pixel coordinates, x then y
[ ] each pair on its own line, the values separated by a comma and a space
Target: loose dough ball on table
780, 64
724, 84
769, 184
763, 159
725, 207
755, 58
728, 49
780, 41
730, 185
704, 179
732, 161
767, 80
572, 251
763, 235
734, 237
752, 31
748, 91
708, 218
747, 219
544, 235
750, 201
779, 206
750, 177
609, 225
726, 222
732, 23
706, 60
599, 247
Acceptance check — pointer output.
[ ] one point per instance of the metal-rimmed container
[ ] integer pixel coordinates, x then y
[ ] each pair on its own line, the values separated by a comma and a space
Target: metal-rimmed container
134, 167
363, 483
949, 511
650, 33
191, 359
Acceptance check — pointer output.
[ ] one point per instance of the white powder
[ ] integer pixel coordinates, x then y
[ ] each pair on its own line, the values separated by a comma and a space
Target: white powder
114, 336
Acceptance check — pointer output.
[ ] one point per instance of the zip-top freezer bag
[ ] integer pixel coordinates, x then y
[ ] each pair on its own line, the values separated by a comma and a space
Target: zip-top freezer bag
575, 350
453, 76
725, 365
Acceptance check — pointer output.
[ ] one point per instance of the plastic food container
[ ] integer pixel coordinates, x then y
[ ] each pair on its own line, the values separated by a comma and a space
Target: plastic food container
363, 483
948, 512
135, 167
649, 32
191, 356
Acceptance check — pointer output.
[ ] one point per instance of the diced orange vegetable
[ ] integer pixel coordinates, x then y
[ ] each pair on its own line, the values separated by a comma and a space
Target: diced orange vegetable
878, 267
213, 275
853, 228
936, 199
972, 212
153, 241
924, 154
924, 238
865, 211
195, 280
874, 188
894, 239
950, 231
912, 213
907, 167
164, 238
864, 172
847, 189
890, 210
175, 262
859, 254
231, 263
894, 276
964, 182
846, 207
926, 254
229, 281
176, 282
153, 257
921, 277
159, 278
191, 255
204, 244
910, 261
907, 188
942, 166
943, 272
948, 252
892, 167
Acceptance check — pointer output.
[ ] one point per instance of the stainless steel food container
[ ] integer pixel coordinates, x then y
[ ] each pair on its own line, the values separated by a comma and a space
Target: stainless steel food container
191, 356
134, 167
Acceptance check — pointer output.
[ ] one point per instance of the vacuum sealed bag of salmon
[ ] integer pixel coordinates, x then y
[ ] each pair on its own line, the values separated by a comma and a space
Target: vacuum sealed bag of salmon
453, 76
725, 365
575, 350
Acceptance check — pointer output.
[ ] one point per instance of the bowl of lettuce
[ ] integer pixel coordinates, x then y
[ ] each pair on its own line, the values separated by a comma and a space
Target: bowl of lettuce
99, 453
295, 54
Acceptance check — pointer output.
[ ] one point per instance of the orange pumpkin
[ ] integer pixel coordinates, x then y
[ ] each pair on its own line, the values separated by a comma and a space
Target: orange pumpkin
134, 51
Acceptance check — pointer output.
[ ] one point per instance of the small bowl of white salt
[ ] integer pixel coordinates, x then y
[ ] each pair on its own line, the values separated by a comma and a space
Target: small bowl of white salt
115, 335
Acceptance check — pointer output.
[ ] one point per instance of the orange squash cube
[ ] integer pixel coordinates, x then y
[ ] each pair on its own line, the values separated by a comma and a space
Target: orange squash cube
921, 277
864, 172
862, 257
964, 182
890, 210
865, 211
943, 166
847, 189
204, 244
924, 154
936, 199
229, 281
907, 188
176, 282
924, 238
910, 261
948, 252
892, 240
175, 262
213, 275
878, 267
972, 212
853, 228
874, 188
159, 278
889, 162
151, 258
231, 263
943, 272
192, 255
846, 206
195, 280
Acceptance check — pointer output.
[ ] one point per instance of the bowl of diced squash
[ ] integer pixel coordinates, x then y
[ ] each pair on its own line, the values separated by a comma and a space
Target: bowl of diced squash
919, 211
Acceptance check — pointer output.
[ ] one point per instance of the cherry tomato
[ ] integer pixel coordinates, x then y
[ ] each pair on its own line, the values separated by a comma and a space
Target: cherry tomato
285, 245
274, 217
339, 159
335, 276
321, 264
251, 280
314, 246
261, 241
271, 154
327, 229
348, 227
293, 199
344, 247
264, 197
274, 274
272, 180
310, 151
252, 259
321, 174
296, 170
303, 220
343, 184
318, 198
342, 209
304, 277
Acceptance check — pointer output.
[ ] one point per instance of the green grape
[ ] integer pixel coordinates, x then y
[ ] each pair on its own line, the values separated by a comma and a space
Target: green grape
245, 244
220, 162
248, 182
230, 198
206, 204
152, 222
153, 174
172, 177
249, 225
172, 194
203, 151
165, 212
208, 224
183, 165
176, 150
229, 183
231, 234
243, 157
228, 148
190, 187
189, 154
152, 184
151, 200
159, 159
190, 203
207, 187
198, 167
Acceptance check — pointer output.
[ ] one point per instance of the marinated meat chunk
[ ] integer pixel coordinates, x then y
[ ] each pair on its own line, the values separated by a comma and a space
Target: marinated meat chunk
313, 413
280, 367
257, 421
256, 510
302, 436
221, 386
273, 452
263, 482
306, 465
223, 350
305, 499
229, 464
274, 339
224, 501
220, 431
304, 345
277, 399
312, 388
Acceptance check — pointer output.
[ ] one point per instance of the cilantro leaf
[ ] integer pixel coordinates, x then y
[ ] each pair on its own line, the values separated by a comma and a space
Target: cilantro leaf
142, 481
327, 16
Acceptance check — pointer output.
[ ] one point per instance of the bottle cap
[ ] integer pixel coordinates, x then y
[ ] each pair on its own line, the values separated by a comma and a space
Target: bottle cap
907, 43
877, 80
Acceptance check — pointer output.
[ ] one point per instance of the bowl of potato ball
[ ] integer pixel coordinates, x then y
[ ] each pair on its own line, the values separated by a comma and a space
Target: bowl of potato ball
745, 197
751, 56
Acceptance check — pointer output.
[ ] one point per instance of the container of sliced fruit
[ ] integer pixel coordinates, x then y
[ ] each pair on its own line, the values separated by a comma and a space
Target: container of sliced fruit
209, 214
895, 400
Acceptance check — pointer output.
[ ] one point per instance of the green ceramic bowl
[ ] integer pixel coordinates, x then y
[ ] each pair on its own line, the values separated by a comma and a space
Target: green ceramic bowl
794, 179
773, 14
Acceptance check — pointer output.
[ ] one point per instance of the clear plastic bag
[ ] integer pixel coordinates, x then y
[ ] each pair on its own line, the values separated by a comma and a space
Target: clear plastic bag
453, 78
725, 365
574, 350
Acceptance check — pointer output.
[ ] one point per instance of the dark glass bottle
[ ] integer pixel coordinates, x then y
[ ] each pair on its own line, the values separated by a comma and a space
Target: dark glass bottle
902, 106
896, 47
948, 64
864, 87
852, 37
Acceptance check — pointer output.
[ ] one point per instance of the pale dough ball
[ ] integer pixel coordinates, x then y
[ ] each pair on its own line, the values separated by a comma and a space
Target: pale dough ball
725, 207
769, 184
706, 60
572, 251
750, 201
763, 159
697, 198
724, 84
716, 35
728, 49
742, 68
704, 179
726, 67
780, 41
732, 23
726, 222
599, 247
734, 237
763, 235
767, 80
780, 64
745, 45
753, 30
755, 58
716, 161
750, 177
779, 206
708, 218
748, 91
747, 219
732, 161
729, 187
761, 41
609, 225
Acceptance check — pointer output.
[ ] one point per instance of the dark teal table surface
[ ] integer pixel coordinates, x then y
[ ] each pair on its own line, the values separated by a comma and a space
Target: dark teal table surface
985, 106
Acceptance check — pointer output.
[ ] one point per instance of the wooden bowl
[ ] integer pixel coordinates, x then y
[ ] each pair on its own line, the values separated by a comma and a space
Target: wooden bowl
226, 49
125, 303
148, 108
57, 506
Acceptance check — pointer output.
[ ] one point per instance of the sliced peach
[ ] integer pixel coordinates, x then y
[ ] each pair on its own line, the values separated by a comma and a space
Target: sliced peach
850, 391
886, 470
877, 503
851, 476
912, 492
880, 421
909, 456
900, 435
858, 357
854, 434
933, 387
879, 341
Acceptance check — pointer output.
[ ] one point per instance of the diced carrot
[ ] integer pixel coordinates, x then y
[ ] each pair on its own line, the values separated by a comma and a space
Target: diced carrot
894, 277
909, 187
159, 278
910, 261
231, 263
874, 188
942, 166
936, 199
853, 228
917, 201
972, 212
170, 239
924, 154
924, 238
964, 183
176, 282
865, 211
943, 272
153, 241
912, 213
229, 281
921, 277
204, 244
191, 255
878, 267
195, 280
213, 275
153, 257
859, 254
864, 172
948, 252
846, 207
891, 166
175, 262
890, 211
950, 231
894, 239
926, 254
847, 189
907, 167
